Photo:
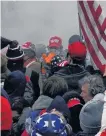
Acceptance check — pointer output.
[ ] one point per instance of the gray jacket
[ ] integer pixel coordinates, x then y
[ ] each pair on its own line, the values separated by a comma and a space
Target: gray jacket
42, 102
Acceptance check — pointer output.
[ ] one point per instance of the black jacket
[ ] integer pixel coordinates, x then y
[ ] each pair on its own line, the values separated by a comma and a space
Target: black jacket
72, 74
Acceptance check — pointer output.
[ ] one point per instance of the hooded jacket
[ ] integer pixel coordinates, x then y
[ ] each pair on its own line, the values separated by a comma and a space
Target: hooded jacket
72, 74
42, 102
17, 86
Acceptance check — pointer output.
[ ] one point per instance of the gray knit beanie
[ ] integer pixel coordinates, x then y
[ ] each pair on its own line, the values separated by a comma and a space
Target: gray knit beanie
91, 115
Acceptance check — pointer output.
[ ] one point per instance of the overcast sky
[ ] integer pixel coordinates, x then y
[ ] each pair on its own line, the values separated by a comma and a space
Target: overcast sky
38, 21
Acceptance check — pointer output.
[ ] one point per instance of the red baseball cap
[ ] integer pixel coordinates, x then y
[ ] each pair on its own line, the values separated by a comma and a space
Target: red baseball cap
26, 45
77, 50
55, 42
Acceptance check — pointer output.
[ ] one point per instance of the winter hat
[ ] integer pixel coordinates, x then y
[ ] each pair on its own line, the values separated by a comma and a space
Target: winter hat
6, 114
55, 42
63, 63
49, 124
15, 84
55, 61
75, 103
14, 51
91, 115
62, 109
77, 50
29, 49
73, 98
74, 38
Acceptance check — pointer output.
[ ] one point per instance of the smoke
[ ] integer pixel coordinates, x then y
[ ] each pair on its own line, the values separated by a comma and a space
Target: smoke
37, 21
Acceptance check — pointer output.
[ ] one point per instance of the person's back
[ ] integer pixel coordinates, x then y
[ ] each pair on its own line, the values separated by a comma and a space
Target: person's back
30, 59
72, 74
31, 65
48, 116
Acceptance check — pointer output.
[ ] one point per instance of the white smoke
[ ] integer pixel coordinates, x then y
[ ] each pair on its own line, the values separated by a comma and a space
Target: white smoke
38, 21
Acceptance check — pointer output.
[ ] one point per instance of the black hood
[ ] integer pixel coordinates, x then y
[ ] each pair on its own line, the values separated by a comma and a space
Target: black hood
72, 74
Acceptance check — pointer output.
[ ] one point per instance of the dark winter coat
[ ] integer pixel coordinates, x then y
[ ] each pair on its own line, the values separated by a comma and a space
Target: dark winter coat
16, 85
19, 121
72, 74
4, 42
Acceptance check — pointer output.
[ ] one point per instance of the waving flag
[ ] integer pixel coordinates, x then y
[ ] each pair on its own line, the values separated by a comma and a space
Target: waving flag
93, 29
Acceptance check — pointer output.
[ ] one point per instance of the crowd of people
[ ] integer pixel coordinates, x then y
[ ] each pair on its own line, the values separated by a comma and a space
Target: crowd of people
51, 91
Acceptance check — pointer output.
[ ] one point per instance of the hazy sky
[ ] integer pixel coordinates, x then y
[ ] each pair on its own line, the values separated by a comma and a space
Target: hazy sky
38, 21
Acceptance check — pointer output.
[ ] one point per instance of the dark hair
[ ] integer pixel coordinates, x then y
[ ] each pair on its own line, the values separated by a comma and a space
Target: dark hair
79, 61
54, 86
13, 65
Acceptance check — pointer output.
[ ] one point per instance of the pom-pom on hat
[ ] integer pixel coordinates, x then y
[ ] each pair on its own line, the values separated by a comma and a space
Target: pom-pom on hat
14, 51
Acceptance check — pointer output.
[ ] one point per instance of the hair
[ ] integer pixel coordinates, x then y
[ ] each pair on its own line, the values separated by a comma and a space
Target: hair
54, 86
79, 61
13, 65
95, 84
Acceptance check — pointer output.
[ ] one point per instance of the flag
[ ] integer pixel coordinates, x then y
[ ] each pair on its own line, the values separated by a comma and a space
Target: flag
93, 29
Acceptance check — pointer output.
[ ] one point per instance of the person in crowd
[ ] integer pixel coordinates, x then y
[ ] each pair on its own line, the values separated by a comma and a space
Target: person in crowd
55, 86
55, 45
21, 97
30, 59
33, 67
52, 87
90, 116
16, 56
75, 103
102, 131
91, 86
87, 61
57, 63
54, 48
75, 38
6, 117
73, 72
77, 53
16, 85
53, 113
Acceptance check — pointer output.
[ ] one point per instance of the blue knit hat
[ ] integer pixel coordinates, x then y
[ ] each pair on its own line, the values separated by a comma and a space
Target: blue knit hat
49, 124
